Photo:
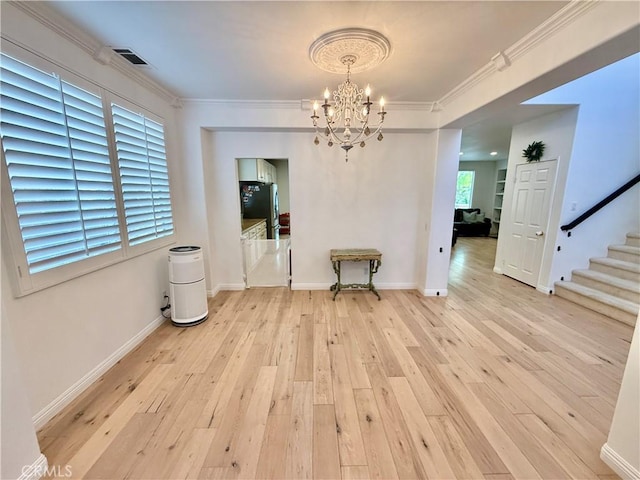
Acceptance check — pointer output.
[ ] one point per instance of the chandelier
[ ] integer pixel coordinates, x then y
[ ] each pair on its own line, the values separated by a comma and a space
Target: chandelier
346, 112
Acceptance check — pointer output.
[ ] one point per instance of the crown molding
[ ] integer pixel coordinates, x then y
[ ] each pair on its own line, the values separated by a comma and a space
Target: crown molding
295, 104
561, 19
504, 59
245, 104
480, 75
431, 107
51, 19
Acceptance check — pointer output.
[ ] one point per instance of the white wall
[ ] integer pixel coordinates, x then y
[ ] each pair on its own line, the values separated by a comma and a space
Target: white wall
556, 130
622, 450
440, 189
19, 447
606, 154
484, 184
63, 335
370, 201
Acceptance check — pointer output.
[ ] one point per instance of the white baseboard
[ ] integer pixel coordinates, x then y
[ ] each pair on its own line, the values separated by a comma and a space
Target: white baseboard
231, 286
379, 286
48, 412
435, 292
212, 293
497, 270
618, 464
543, 289
395, 286
36, 470
310, 286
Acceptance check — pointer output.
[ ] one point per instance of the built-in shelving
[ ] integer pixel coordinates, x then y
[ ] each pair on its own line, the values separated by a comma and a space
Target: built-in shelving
497, 201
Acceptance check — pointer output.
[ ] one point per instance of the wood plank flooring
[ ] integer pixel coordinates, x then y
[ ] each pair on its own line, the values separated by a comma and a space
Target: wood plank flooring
495, 381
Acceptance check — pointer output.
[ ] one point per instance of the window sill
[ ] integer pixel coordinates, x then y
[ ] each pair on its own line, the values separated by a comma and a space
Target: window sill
27, 284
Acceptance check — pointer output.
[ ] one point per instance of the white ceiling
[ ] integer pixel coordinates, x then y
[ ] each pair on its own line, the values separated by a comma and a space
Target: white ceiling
241, 50
259, 50
494, 135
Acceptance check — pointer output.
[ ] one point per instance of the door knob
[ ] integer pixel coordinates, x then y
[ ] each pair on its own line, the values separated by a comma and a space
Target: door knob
539, 233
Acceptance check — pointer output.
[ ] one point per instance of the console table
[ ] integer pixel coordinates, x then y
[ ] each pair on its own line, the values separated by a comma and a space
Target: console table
373, 256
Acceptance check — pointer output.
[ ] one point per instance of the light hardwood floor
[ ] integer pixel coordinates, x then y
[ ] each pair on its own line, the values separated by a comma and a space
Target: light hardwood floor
495, 381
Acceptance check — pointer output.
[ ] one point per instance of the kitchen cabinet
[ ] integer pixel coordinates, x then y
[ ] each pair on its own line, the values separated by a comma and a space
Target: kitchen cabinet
253, 229
270, 173
256, 170
497, 201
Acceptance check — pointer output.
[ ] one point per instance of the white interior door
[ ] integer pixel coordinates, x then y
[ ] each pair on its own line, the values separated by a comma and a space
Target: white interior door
528, 221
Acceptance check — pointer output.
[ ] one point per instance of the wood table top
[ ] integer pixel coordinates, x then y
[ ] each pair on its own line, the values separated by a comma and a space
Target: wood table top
355, 254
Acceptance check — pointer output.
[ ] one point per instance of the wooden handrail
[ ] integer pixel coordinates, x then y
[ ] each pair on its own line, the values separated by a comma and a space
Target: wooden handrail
604, 202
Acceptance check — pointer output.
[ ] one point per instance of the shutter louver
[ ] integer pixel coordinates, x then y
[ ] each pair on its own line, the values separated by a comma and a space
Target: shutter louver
143, 175
55, 145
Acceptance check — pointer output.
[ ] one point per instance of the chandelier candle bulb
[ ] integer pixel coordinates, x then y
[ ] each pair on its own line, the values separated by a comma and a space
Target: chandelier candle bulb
382, 104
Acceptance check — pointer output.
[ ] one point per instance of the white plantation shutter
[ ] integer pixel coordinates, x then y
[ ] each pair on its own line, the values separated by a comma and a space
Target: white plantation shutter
55, 147
88, 140
159, 178
143, 175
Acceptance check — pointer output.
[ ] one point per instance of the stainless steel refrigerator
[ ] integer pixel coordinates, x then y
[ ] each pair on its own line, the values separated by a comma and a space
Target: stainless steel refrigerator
260, 200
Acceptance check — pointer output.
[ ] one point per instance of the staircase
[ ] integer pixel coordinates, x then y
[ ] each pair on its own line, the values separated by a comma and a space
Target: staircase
611, 285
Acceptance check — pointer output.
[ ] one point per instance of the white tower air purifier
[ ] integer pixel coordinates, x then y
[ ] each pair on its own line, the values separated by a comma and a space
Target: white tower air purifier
187, 286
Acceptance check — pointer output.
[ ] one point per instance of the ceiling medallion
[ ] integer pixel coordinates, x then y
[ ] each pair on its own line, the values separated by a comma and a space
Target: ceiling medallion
369, 48
350, 50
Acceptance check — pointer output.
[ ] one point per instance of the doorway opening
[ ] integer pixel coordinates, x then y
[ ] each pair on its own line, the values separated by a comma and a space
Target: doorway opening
265, 216
478, 202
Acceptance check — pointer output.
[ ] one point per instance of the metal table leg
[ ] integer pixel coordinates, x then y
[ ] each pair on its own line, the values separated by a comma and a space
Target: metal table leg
336, 286
373, 268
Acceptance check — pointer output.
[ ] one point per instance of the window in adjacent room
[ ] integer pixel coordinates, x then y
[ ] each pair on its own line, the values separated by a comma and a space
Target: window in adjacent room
464, 188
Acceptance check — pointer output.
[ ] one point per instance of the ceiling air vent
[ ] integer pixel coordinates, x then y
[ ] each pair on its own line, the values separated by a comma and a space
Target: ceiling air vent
131, 56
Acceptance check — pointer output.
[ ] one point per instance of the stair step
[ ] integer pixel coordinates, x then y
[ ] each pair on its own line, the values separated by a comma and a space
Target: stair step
616, 308
626, 253
633, 239
616, 268
618, 287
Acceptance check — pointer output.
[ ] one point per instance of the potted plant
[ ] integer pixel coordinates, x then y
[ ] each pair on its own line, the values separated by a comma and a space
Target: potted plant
534, 152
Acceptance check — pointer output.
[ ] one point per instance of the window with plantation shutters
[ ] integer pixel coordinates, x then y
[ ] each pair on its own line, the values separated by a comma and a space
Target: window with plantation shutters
56, 151
63, 151
144, 177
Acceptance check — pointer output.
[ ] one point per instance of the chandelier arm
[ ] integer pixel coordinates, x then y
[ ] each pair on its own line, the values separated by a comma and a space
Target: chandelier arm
359, 133
333, 136
354, 138
360, 138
